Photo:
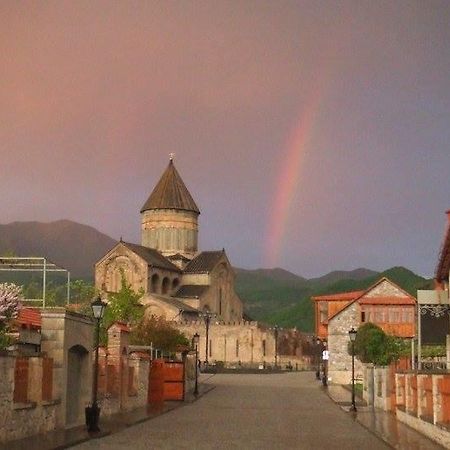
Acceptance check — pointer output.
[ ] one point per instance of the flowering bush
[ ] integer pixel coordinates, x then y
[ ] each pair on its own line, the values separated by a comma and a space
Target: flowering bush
10, 303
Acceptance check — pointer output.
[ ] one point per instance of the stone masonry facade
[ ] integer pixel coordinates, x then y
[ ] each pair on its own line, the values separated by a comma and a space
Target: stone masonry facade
340, 362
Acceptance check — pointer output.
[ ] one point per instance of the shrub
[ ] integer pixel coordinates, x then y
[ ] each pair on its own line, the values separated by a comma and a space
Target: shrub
373, 345
10, 304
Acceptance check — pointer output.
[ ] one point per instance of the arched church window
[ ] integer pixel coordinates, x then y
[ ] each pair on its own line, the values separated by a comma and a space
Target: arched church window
175, 284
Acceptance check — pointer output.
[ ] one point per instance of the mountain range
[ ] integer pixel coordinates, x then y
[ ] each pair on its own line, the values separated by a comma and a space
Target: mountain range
274, 296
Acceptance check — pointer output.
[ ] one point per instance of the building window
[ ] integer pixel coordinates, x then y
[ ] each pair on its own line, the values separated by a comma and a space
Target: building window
237, 347
210, 347
220, 301
363, 316
264, 347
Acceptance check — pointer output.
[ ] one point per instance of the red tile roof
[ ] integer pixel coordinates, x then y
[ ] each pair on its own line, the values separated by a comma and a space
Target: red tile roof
386, 301
343, 296
29, 318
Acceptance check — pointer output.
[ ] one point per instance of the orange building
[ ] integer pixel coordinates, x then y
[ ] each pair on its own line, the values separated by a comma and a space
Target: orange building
384, 304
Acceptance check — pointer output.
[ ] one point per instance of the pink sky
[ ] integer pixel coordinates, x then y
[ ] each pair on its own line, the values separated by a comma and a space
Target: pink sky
94, 95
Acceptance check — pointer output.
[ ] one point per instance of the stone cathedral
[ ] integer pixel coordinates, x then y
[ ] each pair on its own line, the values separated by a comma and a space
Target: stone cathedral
179, 281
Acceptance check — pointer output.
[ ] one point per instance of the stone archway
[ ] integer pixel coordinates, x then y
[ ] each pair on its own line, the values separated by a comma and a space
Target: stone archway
154, 283
77, 376
175, 284
165, 286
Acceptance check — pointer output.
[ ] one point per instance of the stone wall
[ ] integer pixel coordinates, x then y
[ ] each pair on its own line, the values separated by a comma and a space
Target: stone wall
340, 362
33, 416
378, 385
384, 289
170, 231
233, 342
67, 338
108, 270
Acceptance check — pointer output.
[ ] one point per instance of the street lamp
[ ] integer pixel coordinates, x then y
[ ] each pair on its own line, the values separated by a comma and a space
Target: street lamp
207, 316
318, 347
196, 340
325, 357
352, 333
276, 330
93, 411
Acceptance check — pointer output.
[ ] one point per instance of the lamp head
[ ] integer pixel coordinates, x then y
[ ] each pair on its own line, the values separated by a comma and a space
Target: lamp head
98, 308
196, 338
352, 333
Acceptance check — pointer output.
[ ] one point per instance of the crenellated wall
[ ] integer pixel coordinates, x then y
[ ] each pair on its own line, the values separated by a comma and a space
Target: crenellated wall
233, 342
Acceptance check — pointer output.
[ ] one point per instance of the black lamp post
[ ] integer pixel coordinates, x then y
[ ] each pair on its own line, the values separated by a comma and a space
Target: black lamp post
352, 333
325, 356
318, 348
207, 316
276, 329
196, 340
93, 411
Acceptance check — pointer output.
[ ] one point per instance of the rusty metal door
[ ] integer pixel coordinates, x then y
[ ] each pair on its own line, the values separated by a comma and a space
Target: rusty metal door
174, 381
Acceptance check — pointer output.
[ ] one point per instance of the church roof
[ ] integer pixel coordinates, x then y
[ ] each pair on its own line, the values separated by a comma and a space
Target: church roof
204, 262
151, 256
174, 302
191, 291
170, 193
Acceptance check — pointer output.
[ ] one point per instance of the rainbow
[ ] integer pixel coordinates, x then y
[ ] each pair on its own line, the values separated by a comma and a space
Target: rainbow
298, 143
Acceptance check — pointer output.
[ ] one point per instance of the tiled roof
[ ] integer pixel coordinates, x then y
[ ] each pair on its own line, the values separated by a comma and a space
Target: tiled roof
386, 301
170, 193
29, 318
204, 262
371, 299
443, 266
177, 257
342, 296
174, 302
151, 256
191, 291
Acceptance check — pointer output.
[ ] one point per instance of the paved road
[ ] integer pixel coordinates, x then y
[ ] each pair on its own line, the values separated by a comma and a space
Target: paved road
273, 411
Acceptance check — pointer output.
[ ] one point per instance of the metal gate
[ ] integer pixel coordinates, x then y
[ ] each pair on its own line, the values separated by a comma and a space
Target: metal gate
174, 380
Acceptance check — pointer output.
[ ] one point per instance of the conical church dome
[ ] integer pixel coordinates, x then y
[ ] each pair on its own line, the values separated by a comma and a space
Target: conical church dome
170, 193
169, 218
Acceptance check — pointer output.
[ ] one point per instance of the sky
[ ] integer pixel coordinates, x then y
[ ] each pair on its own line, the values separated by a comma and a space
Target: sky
313, 135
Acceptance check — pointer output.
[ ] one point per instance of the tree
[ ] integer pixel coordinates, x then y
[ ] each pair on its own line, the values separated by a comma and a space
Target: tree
373, 345
158, 332
81, 291
10, 304
122, 306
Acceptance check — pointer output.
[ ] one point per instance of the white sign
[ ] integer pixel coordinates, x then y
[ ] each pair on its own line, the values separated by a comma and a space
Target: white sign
325, 355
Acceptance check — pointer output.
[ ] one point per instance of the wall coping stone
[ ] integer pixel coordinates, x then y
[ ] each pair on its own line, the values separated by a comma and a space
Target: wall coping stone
65, 314
28, 405
51, 402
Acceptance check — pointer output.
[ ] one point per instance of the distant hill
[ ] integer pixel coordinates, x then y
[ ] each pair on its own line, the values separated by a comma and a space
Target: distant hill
72, 245
274, 296
286, 301
337, 275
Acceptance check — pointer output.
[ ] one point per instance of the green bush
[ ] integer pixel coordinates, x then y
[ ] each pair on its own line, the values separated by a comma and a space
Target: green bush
373, 345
